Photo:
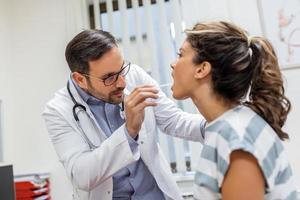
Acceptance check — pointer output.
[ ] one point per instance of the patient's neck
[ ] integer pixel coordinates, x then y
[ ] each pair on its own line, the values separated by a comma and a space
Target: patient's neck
212, 106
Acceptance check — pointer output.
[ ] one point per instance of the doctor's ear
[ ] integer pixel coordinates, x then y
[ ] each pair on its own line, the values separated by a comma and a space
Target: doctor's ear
79, 79
202, 70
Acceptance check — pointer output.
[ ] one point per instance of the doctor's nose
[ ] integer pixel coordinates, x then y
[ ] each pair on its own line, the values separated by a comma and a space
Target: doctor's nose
121, 82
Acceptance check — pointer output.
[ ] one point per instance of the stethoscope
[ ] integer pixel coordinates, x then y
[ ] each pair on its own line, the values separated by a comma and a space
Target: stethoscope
77, 105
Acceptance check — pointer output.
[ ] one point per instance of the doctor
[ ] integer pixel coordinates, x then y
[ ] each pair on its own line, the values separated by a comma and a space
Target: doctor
103, 123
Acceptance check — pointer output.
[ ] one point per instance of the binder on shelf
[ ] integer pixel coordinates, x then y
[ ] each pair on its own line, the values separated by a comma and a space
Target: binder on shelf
44, 197
32, 186
32, 193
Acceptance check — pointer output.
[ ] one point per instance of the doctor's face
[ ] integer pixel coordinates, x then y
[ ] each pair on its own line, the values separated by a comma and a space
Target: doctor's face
103, 81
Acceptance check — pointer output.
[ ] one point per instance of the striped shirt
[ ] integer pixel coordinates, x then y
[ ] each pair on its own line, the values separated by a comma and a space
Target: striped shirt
241, 128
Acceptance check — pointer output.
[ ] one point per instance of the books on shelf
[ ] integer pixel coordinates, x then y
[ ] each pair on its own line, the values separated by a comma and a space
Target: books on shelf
32, 186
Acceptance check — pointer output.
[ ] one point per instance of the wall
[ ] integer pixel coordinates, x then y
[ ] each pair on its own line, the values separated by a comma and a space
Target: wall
292, 125
33, 37
4, 63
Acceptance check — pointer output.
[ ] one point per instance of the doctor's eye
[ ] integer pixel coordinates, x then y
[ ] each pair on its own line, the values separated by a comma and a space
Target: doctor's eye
179, 55
110, 79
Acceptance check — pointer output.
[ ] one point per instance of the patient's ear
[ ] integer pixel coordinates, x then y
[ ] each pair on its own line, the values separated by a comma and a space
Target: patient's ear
202, 70
79, 79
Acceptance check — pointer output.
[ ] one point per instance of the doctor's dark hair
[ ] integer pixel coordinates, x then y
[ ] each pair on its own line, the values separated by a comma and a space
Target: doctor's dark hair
242, 66
87, 46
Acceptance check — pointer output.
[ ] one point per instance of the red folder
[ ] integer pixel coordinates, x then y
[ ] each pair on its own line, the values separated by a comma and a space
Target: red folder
32, 187
32, 193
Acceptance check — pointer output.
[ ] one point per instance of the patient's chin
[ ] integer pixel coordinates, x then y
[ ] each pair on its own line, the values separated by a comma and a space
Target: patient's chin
178, 96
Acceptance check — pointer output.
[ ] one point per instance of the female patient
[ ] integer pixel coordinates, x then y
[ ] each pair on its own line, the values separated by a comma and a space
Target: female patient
236, 84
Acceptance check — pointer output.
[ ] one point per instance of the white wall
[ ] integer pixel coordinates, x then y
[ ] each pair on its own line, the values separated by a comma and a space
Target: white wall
33, 37
37, 68
292, 125
4, 62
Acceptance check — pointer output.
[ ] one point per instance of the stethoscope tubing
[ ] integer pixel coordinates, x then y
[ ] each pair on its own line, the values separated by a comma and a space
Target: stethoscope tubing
83, 108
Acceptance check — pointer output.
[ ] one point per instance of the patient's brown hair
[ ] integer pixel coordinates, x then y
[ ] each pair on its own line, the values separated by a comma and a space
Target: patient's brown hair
239, 63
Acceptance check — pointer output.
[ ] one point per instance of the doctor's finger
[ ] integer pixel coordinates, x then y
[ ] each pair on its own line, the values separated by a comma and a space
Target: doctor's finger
138, 90
144, 86
141, 97
140, 107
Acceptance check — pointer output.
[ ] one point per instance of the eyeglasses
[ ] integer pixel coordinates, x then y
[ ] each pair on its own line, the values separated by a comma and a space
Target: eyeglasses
111, 79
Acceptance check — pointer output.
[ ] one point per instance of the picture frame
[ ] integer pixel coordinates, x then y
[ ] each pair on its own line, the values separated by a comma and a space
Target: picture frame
280, 23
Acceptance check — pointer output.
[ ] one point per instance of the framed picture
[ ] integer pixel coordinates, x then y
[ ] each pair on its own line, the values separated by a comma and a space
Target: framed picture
280, 21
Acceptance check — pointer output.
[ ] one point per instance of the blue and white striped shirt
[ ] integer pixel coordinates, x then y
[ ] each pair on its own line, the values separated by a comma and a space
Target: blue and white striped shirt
241, 128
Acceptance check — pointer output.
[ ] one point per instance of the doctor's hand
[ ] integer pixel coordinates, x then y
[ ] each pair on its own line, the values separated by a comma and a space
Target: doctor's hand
135, 105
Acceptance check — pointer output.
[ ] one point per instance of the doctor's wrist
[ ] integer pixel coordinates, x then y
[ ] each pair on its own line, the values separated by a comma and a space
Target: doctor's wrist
131, 133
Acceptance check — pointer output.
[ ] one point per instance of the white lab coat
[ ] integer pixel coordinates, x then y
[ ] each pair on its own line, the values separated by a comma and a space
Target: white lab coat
91, 170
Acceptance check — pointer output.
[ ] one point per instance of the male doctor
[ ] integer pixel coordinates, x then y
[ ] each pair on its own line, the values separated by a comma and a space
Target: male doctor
109, 153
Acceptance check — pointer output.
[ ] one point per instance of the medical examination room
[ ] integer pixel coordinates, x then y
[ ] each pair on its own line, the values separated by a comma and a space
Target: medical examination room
149, 99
